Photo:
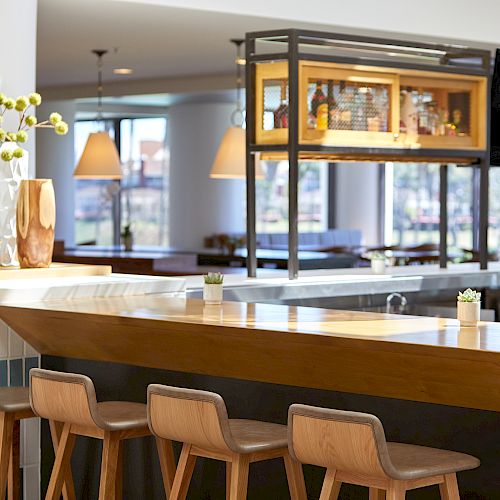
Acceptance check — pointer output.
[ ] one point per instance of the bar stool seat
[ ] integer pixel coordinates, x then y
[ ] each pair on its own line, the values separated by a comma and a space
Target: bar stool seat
15, 399
199, 420
68, 400
416, 462
353, 449
122, 415
251, 436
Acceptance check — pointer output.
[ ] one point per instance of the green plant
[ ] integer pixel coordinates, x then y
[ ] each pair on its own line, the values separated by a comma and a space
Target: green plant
24, 106
469, 296
126, 231
214, 278
376, 256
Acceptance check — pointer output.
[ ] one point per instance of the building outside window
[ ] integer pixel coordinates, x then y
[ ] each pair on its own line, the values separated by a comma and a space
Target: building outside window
144, 153
412, 205
272, 197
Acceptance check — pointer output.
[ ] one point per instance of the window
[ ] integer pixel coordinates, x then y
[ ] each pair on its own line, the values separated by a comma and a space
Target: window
144, 195
142, 143
93, 203
412, 205
272, 197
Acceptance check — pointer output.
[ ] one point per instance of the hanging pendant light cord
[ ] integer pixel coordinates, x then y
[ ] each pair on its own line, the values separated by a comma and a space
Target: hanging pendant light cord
237, 117
99, 54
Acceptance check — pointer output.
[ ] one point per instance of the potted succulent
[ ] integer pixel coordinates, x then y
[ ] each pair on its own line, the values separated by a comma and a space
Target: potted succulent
468, 307
127, 237
212, 288
378, 262
14, 172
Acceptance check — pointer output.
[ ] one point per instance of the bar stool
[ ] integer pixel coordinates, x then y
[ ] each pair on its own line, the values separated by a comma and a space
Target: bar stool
353, 448
14, 407
199, 420
69, 399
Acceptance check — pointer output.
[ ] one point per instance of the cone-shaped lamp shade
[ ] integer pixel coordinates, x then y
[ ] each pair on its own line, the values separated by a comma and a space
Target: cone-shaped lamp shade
230, 160
99, 159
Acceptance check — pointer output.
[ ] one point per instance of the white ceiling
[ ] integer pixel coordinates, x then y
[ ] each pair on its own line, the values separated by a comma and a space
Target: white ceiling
157, 42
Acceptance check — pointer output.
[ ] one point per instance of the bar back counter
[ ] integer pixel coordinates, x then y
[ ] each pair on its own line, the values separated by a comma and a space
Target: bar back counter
430, 382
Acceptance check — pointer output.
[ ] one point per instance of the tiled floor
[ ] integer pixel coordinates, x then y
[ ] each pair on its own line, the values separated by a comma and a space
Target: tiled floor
16, 359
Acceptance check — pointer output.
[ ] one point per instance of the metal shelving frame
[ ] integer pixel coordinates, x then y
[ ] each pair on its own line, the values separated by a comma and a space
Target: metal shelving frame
381, 51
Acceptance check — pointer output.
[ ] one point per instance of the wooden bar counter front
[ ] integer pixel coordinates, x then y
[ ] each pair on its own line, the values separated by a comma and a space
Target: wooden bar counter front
414, 358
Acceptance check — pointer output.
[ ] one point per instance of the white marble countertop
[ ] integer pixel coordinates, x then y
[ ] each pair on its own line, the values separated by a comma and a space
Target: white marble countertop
68, 288
355, 281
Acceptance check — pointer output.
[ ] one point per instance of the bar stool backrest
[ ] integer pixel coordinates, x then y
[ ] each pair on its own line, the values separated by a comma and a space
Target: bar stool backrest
189, 416
341, 440
63, 397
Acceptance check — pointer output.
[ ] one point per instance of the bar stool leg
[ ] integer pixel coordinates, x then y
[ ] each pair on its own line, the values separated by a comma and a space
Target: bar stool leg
183, 475
61, 464
295, 478
68, 489
331, 487
119, 473
228, 480
6, 431
109, 465
239, 477
376, 494
449, 489
167, 463
396, 491
14, 485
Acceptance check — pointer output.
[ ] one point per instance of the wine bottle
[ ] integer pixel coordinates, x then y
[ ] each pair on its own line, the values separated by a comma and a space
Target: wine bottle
319, 107
333, 115
344, 105
281, 112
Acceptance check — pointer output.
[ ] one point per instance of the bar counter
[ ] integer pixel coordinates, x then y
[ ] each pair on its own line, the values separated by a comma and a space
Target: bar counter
271, 355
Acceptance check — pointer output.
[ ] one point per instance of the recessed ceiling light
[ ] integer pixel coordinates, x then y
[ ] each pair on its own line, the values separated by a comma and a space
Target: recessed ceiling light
123, 71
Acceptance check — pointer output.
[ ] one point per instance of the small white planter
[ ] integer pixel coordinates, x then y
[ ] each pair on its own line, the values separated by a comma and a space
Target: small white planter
212, 294
378, 266
468, 313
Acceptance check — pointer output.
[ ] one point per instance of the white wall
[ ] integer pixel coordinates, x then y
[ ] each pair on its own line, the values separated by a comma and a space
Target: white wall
357, 199
55, 160
447, 19
200, 206
18, 56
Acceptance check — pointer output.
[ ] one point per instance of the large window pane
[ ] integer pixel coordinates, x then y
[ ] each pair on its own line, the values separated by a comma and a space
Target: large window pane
144, 198
412, 205
272, 197
93, 203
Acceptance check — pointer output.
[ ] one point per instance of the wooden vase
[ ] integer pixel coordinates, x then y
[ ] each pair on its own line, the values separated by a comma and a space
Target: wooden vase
36, 219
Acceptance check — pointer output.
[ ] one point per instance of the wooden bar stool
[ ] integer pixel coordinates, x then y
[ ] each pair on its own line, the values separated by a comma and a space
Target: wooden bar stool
353, 448
69, 400
199, 420
14, 407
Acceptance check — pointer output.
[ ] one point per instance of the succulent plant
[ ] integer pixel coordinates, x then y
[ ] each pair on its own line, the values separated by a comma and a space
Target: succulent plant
23, 106
469, 295
213, 278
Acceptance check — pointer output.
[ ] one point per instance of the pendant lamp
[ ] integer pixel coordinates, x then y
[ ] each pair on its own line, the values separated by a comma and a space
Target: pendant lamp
230, 160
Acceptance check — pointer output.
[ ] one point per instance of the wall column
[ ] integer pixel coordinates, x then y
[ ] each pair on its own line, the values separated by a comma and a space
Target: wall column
55, 159
200, 206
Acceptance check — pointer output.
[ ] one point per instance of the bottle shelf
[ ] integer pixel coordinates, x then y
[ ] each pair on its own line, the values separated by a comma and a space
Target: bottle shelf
362, 106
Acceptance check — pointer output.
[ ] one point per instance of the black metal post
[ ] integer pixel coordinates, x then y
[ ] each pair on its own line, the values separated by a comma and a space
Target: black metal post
483, 211
250, 139
293, 156
443, 216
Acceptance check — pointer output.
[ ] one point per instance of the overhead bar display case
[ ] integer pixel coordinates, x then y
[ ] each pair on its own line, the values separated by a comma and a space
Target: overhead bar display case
338, 98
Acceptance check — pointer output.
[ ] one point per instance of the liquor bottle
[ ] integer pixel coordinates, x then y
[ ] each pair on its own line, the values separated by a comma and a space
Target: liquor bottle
409, 114
344, 105
372, 113
319, 107
333, 112
281, 112
358, 111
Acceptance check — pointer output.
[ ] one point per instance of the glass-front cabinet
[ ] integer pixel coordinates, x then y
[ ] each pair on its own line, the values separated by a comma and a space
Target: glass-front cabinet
363, 106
